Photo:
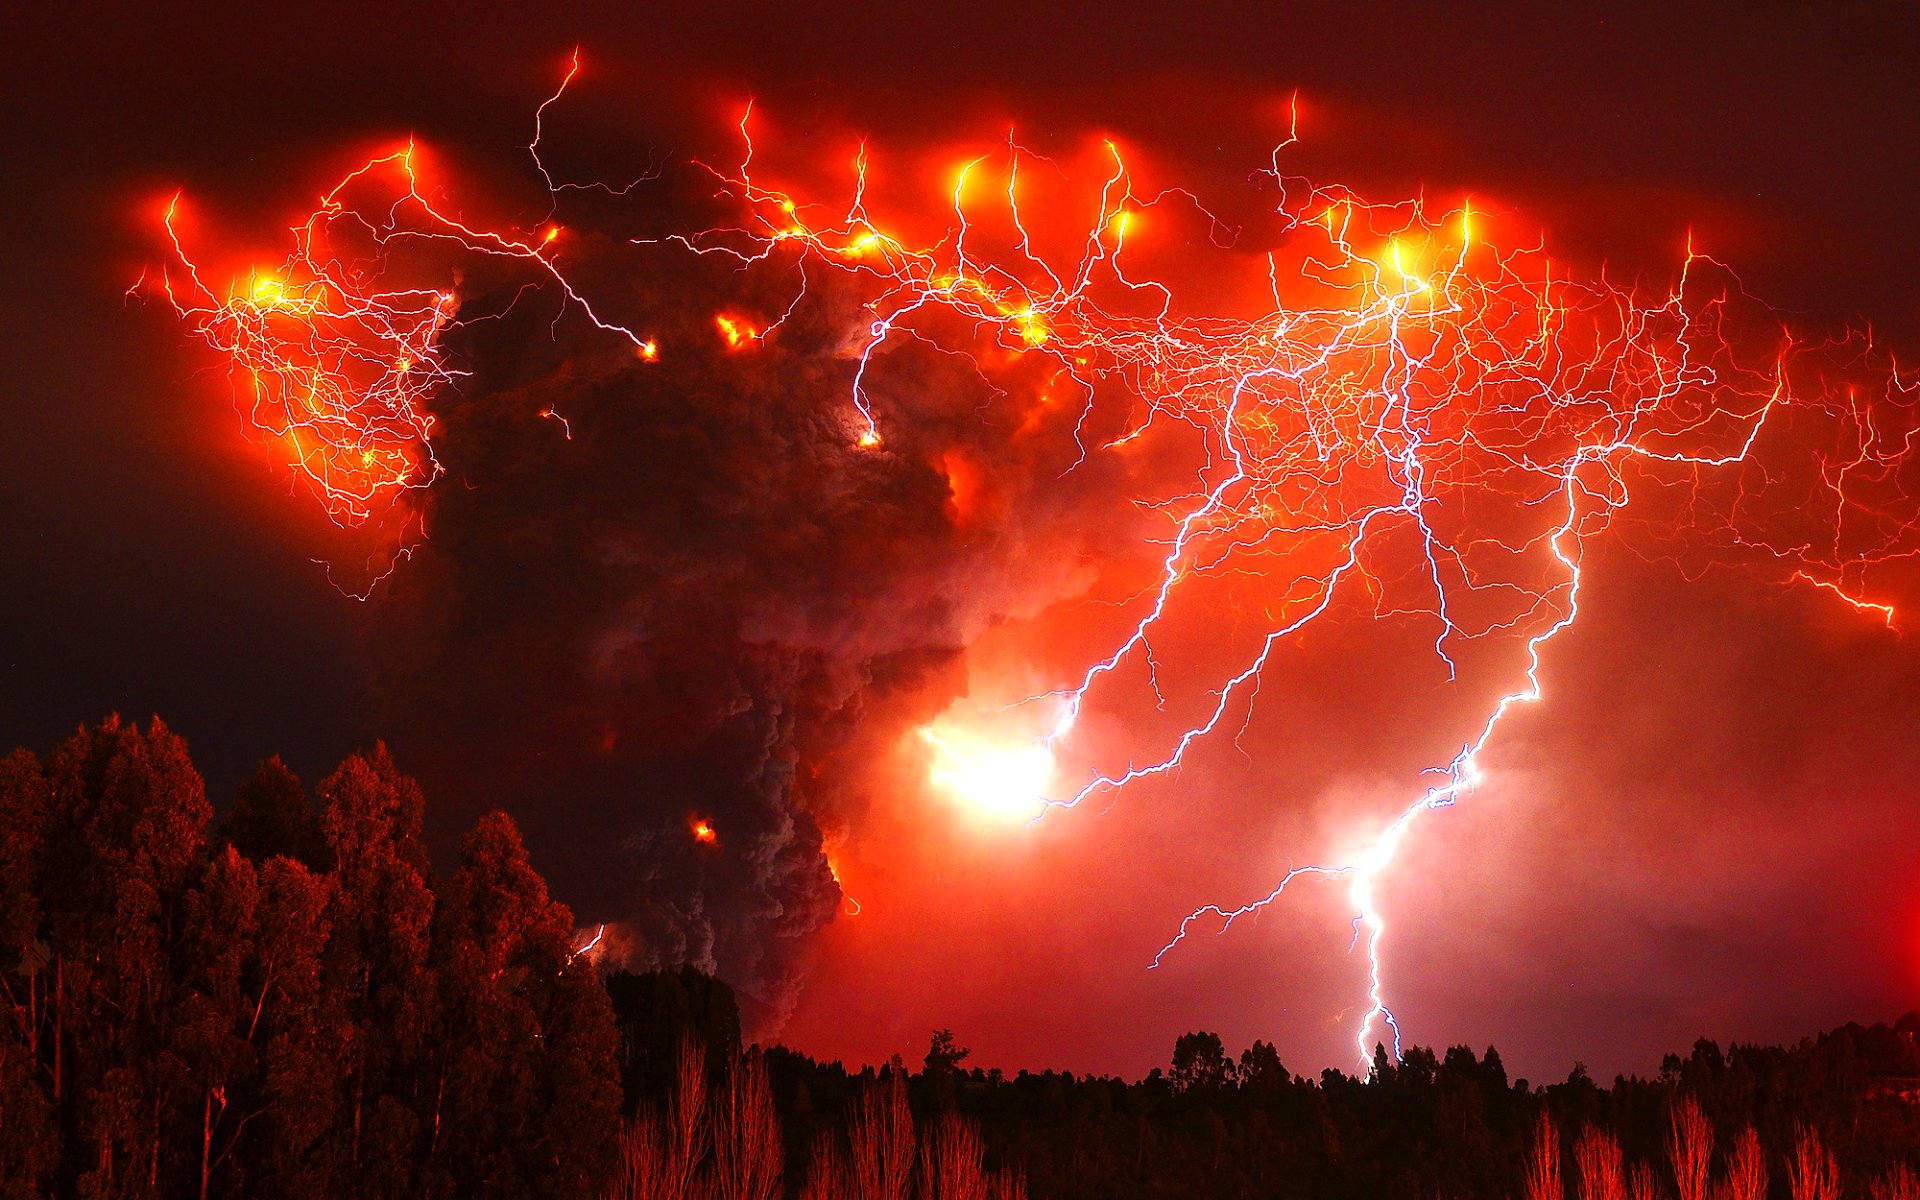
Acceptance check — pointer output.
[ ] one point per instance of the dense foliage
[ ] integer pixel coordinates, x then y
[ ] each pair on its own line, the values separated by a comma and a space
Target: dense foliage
291, 1004
291, 1007
1452, 1125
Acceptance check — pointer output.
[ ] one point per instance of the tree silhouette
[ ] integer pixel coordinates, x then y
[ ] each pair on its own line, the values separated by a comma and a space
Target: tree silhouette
1261, 1070
127, 828
513, 1112
272, 817
376, 966
28, 1138
944, 1054
300, 1035
227, 1022
655, 1012
1200, 1063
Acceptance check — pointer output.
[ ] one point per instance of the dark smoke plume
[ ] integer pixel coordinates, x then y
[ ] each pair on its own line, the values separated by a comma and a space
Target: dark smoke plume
707, 602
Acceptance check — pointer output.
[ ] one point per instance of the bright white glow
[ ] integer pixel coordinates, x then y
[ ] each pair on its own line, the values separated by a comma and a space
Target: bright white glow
999, 780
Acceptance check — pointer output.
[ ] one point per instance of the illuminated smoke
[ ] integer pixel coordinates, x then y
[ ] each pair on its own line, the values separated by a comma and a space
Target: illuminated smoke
707, 546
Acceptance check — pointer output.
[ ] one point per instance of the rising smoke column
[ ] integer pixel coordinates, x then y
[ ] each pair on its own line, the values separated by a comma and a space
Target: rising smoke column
634, 575
1423, 428
697, 603
706, 544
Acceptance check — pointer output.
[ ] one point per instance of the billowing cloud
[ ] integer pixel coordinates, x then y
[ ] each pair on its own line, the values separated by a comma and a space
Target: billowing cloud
663, 591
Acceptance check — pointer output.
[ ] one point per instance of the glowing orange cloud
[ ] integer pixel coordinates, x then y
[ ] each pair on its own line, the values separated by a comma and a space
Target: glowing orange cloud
1414, 423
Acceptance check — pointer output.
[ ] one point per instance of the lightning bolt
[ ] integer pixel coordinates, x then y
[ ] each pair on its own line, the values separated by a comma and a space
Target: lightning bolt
1424, 425
1654, 378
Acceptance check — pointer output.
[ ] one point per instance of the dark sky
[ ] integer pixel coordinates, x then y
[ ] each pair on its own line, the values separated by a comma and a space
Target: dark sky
1731, 846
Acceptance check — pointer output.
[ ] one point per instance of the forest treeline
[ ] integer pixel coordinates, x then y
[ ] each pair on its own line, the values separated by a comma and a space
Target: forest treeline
290, 1005
290, 1002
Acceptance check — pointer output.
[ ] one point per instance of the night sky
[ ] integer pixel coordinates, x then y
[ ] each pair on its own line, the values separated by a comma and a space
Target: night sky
1711, 828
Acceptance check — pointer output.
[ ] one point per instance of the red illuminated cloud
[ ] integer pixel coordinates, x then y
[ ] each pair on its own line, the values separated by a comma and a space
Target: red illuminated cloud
1389, 420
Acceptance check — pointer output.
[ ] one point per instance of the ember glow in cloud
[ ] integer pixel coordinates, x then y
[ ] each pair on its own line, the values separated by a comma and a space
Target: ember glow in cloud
802, 454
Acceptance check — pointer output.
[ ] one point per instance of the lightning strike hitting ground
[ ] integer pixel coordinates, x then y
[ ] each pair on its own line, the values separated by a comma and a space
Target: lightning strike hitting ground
1413, 425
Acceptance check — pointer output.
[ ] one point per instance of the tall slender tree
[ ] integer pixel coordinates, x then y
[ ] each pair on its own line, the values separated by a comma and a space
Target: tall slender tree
376, 971
210, 1034
29, 1143
525, 1100
299, 1035
127, 830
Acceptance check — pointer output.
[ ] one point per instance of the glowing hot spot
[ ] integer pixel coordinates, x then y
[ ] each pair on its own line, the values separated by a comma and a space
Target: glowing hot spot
1003, 781
736, 333
852, 906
